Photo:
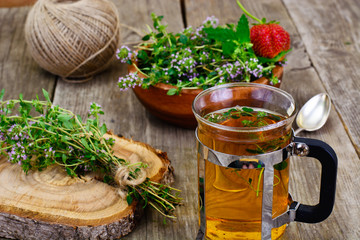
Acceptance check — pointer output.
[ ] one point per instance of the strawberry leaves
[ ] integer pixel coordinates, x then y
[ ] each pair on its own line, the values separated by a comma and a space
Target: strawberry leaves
220, 34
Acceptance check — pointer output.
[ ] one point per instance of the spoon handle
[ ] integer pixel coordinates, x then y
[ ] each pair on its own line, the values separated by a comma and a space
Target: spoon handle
297, 131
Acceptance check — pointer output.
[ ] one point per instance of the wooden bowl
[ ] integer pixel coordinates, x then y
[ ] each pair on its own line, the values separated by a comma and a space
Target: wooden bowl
177, 109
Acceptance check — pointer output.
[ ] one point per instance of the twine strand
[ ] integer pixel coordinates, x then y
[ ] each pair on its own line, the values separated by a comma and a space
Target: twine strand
123, 178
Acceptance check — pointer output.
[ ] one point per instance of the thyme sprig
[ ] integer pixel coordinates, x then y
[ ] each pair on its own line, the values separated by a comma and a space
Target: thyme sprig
250, 117
238, 112
58, 136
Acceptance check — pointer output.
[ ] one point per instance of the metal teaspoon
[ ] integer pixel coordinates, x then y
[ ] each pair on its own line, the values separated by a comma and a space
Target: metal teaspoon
313, 115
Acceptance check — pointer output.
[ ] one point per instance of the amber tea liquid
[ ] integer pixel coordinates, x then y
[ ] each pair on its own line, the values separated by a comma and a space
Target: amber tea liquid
233, 196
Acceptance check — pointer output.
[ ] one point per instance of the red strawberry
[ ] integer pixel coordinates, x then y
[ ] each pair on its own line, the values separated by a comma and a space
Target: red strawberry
269, 40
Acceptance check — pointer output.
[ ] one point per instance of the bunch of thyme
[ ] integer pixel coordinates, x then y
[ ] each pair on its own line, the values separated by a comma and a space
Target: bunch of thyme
196, 57
58, 136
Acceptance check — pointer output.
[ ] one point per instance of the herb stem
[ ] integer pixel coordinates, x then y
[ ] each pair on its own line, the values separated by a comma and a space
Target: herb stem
215, 49
156, 208
259, 180
140, 70
149, 190
159, 184
4, 148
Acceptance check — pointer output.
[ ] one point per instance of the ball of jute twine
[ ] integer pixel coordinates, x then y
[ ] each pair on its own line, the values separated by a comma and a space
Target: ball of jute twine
74, 39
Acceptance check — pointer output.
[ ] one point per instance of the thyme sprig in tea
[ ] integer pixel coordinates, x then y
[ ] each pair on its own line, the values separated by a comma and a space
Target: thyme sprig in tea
58, 136
250, 117
247, 117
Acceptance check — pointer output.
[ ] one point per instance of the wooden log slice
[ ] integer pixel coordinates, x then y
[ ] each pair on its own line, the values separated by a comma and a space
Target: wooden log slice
52, 205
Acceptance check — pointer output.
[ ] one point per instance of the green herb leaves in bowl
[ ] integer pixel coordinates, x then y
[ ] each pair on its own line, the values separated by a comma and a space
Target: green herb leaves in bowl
197, 58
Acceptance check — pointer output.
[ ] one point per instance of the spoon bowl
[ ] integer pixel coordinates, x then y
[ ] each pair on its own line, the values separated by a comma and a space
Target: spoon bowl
314, 114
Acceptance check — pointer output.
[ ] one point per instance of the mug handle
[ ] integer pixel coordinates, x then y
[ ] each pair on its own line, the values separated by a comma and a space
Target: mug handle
327, 157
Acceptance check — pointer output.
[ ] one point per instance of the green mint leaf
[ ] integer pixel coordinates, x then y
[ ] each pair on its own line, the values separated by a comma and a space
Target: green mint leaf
261, 114
67, 124
85, 144
183, 39
249, 110
172, 39
64, 157
146, 37
64, 138
107, 179
247, 123
70, 172
172, 71
172, 91
161, 28
230, 25
242, 30
79, 118
129, 199
274, 79
89, 122
274, 117
228, 48
2, 94
142, 55
229, 112
213, 73
64, 117
159, 35
25, 108
103, 129
42, 124
46, 95
220, 34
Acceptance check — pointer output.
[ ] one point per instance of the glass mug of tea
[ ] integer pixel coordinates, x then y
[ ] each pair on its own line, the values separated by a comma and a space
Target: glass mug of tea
244, 144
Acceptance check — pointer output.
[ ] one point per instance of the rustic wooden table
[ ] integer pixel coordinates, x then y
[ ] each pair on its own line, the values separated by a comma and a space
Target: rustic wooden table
325, 57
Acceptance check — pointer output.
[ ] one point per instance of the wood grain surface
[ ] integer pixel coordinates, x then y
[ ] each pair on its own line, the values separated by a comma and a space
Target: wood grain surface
74, 208
324, 58
331, 38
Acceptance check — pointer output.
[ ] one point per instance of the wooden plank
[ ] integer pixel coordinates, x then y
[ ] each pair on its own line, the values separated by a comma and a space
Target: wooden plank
302, 81
306, 172
126, 116
19, 73
330, 31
